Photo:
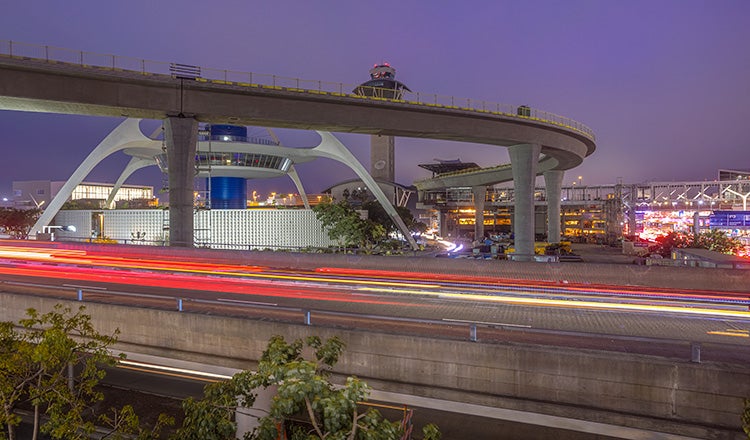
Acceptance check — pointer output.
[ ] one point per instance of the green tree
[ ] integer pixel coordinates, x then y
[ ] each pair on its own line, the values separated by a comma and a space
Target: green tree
17, 222
306, 405
52, 365
718, 241
713, 240
666, 243
124, 424
377, 213
77, 204
345, 224
210, 418
746, 418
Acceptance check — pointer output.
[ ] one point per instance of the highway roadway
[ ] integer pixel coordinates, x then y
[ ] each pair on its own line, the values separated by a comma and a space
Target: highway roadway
648, 321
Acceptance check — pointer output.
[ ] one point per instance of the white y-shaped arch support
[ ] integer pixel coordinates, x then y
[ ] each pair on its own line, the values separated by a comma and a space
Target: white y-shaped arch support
332, 148
126, 135
135, 164
742, 196
298, 183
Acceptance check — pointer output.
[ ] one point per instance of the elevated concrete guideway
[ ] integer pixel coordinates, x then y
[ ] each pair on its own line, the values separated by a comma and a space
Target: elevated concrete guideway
39, 83
479, 178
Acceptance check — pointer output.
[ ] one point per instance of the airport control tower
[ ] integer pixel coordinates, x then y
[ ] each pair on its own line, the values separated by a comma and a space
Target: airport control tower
382, 84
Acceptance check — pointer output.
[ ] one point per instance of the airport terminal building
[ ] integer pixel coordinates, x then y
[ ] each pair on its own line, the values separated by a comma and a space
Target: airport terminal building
595, 214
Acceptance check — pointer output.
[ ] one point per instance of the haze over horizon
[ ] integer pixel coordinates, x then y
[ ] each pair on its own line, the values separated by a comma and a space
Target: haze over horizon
664, 85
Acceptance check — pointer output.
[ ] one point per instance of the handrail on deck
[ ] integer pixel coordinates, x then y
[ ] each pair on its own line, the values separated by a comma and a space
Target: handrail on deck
224, 77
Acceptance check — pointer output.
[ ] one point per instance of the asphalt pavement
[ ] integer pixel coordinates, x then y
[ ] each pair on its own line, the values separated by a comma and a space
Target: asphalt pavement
597, 253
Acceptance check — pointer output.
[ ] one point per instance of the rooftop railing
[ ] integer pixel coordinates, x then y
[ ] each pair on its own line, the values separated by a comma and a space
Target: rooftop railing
244, 139
125, 65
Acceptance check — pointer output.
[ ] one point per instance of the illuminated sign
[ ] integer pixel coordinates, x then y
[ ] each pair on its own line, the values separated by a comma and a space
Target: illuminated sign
729, 219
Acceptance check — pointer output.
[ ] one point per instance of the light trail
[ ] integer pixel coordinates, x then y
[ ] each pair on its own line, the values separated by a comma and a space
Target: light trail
490, 284
229, 278
77, 257
183, 373
532, 301
181, 282
406, 299
252, 303
731, 332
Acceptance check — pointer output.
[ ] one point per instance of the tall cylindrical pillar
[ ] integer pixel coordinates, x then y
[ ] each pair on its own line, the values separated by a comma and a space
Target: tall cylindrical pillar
480, 193
632, 221
443, 226
553, 184
181, 137
523, 159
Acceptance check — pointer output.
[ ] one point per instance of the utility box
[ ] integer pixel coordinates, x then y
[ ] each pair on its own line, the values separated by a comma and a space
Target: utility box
524, 110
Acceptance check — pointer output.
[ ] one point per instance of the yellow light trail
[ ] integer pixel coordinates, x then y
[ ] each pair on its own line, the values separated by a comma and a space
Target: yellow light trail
290, 277
171, 371
573, 304
731, 332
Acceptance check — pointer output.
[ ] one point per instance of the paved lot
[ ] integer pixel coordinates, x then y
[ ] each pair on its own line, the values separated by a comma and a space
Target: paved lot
596, 253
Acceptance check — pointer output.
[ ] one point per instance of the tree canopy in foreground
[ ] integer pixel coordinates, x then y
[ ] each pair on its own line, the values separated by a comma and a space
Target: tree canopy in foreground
36, 370
51, 363
306, 405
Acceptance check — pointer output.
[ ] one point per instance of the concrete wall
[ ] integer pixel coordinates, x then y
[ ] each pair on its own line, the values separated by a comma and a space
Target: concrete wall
694, 400
221, 228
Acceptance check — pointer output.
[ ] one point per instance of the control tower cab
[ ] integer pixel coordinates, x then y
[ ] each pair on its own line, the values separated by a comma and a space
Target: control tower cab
382, 83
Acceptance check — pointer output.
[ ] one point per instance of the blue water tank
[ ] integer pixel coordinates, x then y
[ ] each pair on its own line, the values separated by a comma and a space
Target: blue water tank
228, 130
228, 193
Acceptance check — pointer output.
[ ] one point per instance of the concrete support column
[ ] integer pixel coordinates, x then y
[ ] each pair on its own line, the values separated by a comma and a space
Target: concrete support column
632, 223
553, 183
181, 136
383, 157
480, 193
524, 159
443, 224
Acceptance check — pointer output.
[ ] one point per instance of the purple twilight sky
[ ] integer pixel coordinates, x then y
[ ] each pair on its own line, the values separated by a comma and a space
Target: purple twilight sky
664, 84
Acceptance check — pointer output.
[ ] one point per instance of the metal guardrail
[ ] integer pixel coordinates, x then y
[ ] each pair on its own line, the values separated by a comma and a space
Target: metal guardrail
181, 303
114, 63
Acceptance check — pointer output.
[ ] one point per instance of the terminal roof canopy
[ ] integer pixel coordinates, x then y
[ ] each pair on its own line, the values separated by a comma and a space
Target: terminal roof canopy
447, 166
